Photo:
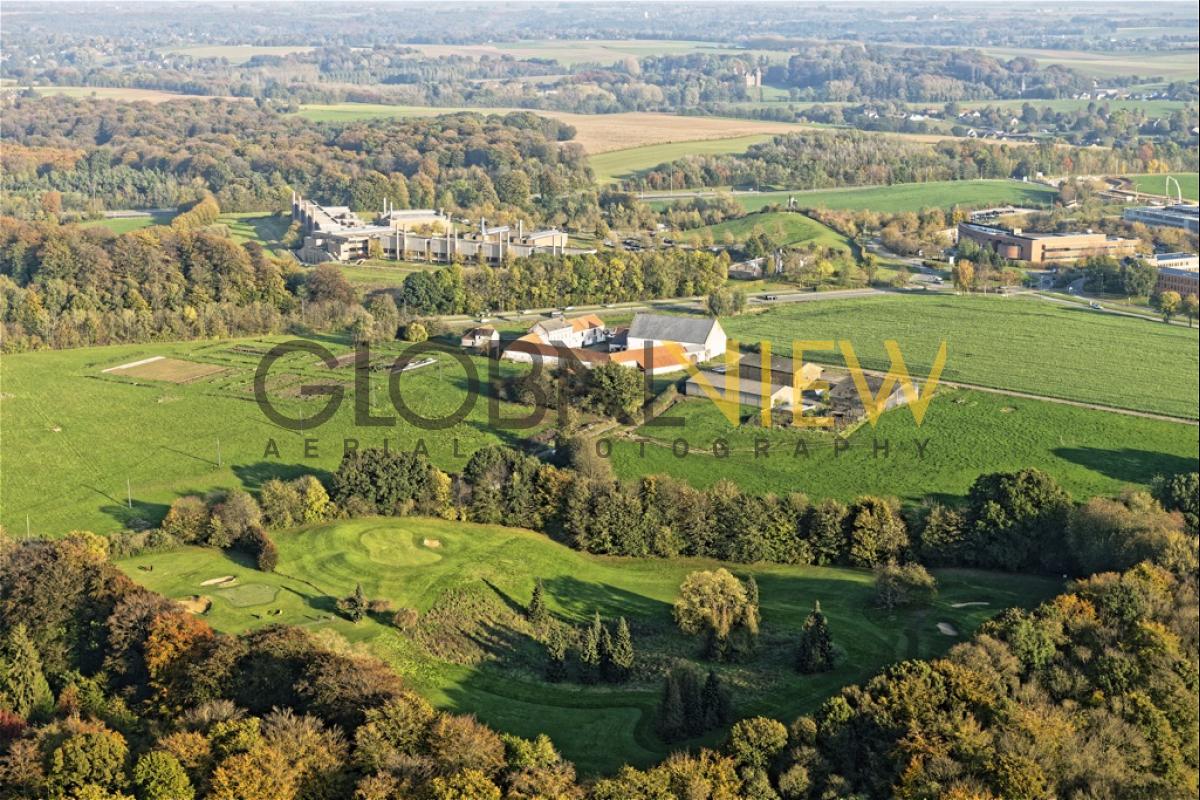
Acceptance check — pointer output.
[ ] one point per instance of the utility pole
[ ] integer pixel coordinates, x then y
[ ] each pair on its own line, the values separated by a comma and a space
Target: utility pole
128, 494
27, 533
218, 452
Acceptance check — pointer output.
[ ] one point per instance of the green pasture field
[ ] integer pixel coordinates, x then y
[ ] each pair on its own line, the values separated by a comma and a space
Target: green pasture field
238, 53
963, 435
902, 196
617, 165
1189, 183
380, 274
570, 52
89, 432
785, 227
121, 225
1018, 343
494, 668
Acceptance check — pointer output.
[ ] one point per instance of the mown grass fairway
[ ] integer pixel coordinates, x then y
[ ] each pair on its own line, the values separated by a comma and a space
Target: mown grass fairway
1189, 184
903, 196
784, 227
963, 435
483, 575
1018, 343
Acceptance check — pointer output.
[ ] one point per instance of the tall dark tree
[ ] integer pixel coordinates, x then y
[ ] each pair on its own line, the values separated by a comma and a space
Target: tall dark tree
590, 658
672, 719
556, 656
815, 650
622, 655
537, 611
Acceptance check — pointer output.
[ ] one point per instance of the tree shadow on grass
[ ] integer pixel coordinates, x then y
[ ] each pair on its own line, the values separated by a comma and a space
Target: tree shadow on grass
253, 476
141, 515
581, 599
1127, 464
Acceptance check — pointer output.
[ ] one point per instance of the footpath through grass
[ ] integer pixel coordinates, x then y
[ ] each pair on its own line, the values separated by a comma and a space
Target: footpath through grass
476, 579
1019, 343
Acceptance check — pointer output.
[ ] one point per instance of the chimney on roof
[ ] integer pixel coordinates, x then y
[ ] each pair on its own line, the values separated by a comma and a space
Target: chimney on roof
520, 229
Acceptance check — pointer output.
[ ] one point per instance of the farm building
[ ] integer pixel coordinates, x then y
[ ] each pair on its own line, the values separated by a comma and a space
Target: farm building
701, 338
1045, 248
575, 332
760, 394
481, 339
846, 403
781, 371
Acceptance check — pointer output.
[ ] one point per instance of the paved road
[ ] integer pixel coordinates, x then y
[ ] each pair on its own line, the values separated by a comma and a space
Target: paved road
676, 304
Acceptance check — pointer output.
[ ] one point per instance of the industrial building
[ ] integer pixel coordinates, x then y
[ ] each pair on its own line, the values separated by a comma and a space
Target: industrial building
1176, 216
1184, 281
1045, 248
335, 233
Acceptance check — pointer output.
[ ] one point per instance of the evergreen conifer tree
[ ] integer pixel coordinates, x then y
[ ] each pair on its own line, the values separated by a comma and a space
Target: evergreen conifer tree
672, 722
815, 651
23, 688
589, 652
715, 702
556, 656
621, 656
537, 611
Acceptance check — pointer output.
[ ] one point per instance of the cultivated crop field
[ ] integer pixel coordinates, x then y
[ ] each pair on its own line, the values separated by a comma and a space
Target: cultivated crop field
89, 431
784, 227
1018, 343
1177, 64
963, 435
111, 93
597, 133
470, 583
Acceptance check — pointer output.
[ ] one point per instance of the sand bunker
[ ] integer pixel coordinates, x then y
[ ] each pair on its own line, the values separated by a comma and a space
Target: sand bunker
196, 604
966, 605
433, 544
947, 629
215, 581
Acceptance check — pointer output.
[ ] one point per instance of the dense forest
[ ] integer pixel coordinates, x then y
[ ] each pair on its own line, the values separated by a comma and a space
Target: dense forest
121, 155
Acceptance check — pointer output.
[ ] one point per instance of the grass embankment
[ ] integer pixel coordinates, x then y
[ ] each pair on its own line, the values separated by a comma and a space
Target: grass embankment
784, 227
494, 668
1189, 184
